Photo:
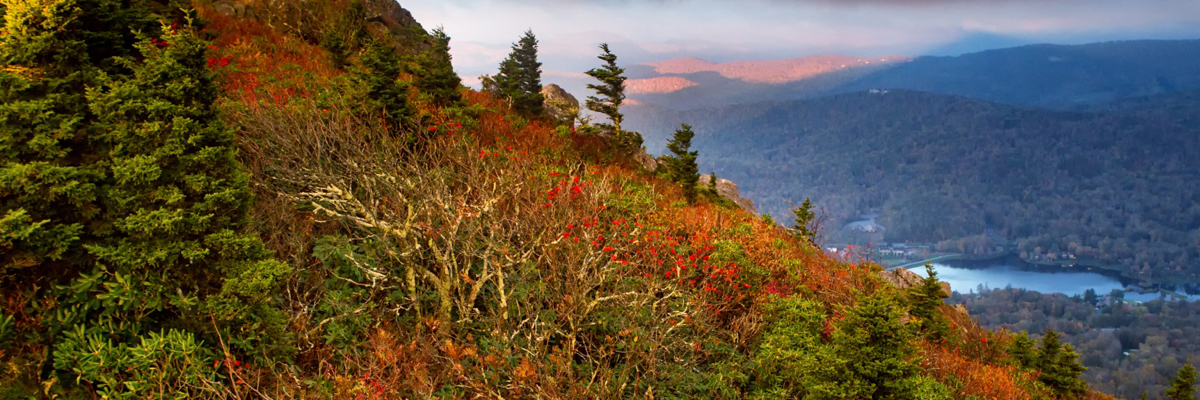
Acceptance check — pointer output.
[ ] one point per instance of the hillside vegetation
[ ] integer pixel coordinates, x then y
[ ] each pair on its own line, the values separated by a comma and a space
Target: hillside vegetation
290, 201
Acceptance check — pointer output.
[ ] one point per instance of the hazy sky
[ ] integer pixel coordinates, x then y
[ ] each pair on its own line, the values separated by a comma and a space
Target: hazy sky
725, 30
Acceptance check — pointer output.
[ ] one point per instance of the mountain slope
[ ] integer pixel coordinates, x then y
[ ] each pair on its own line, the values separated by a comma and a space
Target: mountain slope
438, 245
1111, 187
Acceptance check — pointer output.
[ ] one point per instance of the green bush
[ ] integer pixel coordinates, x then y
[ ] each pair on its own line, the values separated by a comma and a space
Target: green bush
171, 365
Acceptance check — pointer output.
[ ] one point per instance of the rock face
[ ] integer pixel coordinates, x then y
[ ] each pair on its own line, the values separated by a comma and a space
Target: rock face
647, 161
559, 104
904, 279
729, 190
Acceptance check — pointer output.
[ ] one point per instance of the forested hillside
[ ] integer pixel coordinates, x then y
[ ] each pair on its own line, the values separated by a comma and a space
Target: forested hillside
243, 200
1128, 348
1112, 185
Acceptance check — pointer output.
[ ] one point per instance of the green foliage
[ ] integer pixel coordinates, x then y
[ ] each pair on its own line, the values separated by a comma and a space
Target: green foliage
339, 50
1059, 366
868, 354
610, 94
520, 76
1022, 351
1183, 387
436, 77
876, 353
386, 94
161, 365
51, 51
803, 224
7, 327
926, 302
681, 167
120, 180
345, 308
927, 388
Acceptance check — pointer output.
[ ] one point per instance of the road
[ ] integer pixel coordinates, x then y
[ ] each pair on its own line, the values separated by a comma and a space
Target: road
923, 262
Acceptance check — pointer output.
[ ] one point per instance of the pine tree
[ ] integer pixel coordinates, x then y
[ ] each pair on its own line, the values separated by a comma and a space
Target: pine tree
520, 76
1183, 386
386, 94
1059, 366
926, 301
682, 166
610, 94
805, 216
437, 79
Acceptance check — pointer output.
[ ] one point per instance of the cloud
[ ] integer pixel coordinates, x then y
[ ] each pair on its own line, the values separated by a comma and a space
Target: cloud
643, 31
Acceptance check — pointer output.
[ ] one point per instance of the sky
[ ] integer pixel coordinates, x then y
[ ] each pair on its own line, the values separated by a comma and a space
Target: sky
641, 31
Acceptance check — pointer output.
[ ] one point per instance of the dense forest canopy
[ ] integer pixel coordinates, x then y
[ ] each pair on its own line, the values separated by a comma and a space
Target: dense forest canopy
1112, 185
1127, 347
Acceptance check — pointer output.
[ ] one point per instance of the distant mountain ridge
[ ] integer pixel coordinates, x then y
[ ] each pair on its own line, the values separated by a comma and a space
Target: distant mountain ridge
771, 71
1042, 75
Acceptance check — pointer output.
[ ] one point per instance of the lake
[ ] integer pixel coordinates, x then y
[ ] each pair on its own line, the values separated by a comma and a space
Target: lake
966, 276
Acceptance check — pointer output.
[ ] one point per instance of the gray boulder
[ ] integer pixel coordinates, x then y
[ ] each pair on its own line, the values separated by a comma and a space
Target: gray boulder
729, 190
559, 104
904, 279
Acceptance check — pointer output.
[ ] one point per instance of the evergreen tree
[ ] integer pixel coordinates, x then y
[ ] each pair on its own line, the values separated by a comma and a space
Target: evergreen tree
875, 354
520, 76
50, 52
802, 227
682, 166
1022, 351
386, 94
610, 94
1059, 366
1089, 296
437, 78
926, 301
1183, 386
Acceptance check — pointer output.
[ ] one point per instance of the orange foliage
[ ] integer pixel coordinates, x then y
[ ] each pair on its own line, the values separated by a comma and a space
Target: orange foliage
971, 377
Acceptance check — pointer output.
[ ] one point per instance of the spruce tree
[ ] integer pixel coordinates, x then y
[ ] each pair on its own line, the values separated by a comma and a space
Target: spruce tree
437, 78
1059, 366
610, 94
801, 227
50, 52
926, 301
1183, 386
520, 76
1022, 351
386, 94
177, 197
875, 353
682, 166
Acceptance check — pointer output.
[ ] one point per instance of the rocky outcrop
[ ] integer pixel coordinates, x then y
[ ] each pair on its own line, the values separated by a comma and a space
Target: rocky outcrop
904, 279
234, 8
646, 160
559, 104
729, 190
